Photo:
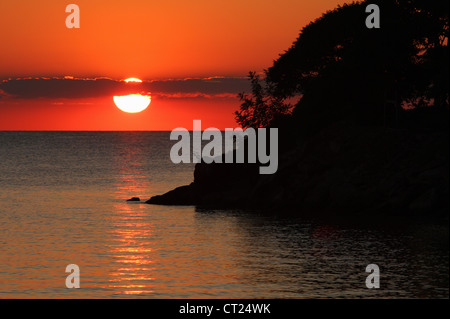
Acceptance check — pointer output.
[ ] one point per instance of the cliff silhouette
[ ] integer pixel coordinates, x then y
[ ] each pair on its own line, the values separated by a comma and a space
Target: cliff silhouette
369, 132
346, 169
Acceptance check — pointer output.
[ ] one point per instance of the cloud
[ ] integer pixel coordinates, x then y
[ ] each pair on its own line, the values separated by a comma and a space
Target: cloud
30, 88
179, 95
71, 88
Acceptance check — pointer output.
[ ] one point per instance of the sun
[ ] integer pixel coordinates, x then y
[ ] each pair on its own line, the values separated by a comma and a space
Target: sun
136, 80
132, 103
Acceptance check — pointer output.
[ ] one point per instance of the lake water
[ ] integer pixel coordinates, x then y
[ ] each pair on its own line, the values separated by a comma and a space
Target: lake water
62, 201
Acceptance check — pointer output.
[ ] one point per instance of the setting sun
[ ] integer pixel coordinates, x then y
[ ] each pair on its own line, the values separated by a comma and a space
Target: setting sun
133, 80
132, 103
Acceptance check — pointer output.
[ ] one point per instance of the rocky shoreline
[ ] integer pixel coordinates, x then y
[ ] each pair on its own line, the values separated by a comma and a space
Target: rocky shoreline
340, 169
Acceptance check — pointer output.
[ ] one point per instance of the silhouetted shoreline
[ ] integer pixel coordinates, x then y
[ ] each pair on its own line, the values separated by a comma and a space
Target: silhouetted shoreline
369, 135
347, 170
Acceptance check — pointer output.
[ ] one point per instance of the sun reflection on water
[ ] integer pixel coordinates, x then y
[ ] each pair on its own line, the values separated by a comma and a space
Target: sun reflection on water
131, 249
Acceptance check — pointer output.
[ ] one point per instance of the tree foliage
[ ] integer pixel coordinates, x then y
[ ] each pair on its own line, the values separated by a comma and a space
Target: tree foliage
261, 107
342, 68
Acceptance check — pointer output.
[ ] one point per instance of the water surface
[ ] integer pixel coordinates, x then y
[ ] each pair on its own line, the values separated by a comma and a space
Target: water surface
62, 201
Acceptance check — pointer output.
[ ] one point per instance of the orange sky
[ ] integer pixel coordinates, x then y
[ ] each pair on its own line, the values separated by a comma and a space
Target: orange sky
146, 39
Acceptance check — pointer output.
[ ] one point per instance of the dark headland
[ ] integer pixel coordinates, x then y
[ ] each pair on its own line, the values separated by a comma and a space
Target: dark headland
340, 169
370, 133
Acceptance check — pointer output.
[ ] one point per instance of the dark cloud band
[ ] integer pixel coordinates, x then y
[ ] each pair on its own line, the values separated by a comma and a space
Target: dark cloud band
70, 88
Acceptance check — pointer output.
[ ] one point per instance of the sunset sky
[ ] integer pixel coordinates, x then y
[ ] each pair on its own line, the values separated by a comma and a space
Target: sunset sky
192, 56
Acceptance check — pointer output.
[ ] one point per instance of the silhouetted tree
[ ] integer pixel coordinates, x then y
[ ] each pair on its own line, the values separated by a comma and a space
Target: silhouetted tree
261, 107
342, 69
431, 39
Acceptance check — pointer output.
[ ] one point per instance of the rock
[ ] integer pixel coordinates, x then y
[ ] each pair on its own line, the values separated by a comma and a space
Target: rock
183, 195
342, 169
425, 202
134, 199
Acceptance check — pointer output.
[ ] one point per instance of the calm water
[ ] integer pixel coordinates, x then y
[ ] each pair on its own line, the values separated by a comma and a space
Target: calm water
62, 201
